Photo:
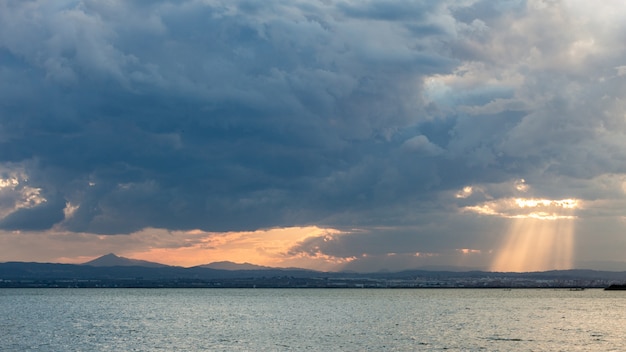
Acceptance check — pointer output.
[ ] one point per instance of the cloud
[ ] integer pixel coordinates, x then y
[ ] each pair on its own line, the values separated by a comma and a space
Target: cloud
40, 217
421, 144
201, 126
236, 116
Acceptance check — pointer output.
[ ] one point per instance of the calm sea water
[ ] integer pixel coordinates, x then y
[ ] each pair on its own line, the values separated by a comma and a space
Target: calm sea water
311, 320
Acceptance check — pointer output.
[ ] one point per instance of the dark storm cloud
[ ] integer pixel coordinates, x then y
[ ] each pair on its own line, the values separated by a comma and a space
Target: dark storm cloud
390, 11
39, 217
215, 115
239, 115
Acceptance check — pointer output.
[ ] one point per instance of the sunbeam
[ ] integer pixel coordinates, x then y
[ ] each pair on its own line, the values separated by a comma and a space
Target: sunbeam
540, 235
533, 244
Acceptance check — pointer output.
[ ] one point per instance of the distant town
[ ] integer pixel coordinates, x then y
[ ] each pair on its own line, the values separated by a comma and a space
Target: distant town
486, 281
111, 271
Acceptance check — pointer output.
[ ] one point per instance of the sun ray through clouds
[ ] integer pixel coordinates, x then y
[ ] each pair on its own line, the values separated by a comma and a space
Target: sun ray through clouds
540, 234
533, 244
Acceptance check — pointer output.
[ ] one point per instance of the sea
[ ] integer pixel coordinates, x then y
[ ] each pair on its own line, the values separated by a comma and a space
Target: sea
312, 320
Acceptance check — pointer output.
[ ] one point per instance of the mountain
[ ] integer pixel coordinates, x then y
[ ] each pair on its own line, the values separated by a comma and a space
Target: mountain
226, 265
113, 271
114, 260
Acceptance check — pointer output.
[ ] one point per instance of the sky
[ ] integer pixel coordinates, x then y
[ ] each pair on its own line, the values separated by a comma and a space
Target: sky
325, 134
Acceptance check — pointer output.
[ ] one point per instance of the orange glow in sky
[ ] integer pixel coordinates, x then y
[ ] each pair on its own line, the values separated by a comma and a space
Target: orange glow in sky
263, 247
269, 247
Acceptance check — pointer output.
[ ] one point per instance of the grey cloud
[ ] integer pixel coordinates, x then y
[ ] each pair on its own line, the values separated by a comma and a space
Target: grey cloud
225, 111
40, 217
239, 115
421, 144
437, 239
389, 11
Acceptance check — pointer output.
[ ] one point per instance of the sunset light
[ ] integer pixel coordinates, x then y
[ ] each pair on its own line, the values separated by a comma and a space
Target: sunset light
536, 244
520, 208
540, 231
540, 235
263, 247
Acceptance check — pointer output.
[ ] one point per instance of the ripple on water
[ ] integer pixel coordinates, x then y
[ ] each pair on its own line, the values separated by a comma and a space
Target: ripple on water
313, 320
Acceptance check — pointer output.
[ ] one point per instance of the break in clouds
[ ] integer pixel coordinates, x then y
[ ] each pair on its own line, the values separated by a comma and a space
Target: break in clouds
409, 126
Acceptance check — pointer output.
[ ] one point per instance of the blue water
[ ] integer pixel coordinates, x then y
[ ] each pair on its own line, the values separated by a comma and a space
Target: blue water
311, 320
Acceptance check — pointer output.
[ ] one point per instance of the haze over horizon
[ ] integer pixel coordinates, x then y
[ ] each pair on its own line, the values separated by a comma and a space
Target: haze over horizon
322, 134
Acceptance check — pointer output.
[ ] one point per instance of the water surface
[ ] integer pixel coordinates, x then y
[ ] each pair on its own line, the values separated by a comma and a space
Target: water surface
311, 320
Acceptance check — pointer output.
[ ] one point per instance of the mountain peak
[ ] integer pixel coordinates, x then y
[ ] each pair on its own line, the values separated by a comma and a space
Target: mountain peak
109, 256
113, 260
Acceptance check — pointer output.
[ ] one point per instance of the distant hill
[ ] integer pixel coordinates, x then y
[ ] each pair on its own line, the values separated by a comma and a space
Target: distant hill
113, 271
226, 265
114, 260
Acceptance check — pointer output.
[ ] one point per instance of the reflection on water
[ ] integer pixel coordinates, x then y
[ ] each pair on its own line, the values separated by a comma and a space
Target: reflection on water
313, 319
